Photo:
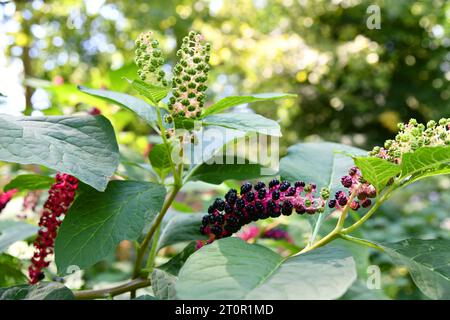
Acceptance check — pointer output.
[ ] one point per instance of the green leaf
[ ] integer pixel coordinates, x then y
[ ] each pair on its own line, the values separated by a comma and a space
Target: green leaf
83, 146
426, 160
217, 173
377, 171
179, 227
98, 221
10, 271
174, 265
232, 101
163, 285
141, 108
360, 291
232, 269
428, 261
247, 122
160, 158
30, 182
151, 92
12, 231
40, 291
323, 163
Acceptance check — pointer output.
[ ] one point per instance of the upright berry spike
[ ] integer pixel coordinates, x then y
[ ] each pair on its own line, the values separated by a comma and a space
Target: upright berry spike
190, 76
149, 60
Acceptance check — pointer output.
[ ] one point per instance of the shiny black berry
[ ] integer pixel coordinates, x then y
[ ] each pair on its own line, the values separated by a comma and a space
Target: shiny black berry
258, 186
276, 195
240, 204
284, 185
231, 196
290, 192
228, 208
219, 204
216, 230
299, 184
274, 183
366, 203
332, 203
246, 187
262, 194
250, 196
287, 207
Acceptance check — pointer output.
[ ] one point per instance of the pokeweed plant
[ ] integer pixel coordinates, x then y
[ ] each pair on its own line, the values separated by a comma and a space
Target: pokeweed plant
91, 207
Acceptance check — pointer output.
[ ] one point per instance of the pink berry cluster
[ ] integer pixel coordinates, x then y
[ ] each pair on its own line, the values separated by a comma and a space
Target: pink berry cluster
5, 197
226, 217
354, 183
61, 196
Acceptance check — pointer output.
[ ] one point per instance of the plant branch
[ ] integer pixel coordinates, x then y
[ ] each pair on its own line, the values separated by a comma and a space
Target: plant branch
363, 242
111, 292
150, 233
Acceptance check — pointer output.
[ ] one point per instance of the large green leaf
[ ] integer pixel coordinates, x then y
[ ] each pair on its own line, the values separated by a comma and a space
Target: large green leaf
377, 171
12, 231
151, 92
163, 285
232, 269
83, 146
160, 157
138, 106
425, 160
30, 182
40, 291
180, 227
323, 163
247, 122
428, 261
10, 271
174, 265
217, 173
232, 101
98, 221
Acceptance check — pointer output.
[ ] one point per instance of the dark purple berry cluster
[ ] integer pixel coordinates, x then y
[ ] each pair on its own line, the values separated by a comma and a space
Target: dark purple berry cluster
355, 183
252, 203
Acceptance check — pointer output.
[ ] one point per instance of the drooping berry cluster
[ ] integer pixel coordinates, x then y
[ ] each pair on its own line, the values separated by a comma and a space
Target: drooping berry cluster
226, 217
5, 197
412, 136
149, 59
190, 75
61, 196
354, 183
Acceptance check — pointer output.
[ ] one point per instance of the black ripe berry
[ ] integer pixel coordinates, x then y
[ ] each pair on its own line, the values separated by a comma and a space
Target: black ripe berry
262, 194
299, 184
258, 186
366, 203
216, 230
300, 209
240, 204
211, 209
342, 200
332, 203
228, 208
284, 186
231, 196
246, 187
250, 196
290, 192
205, 220
219, 204
219, 219
274, 183
276, 195
287, 207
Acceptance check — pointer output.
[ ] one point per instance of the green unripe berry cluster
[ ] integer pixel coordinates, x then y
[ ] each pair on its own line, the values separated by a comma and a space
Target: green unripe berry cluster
189, 77
149, 59
412, 136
